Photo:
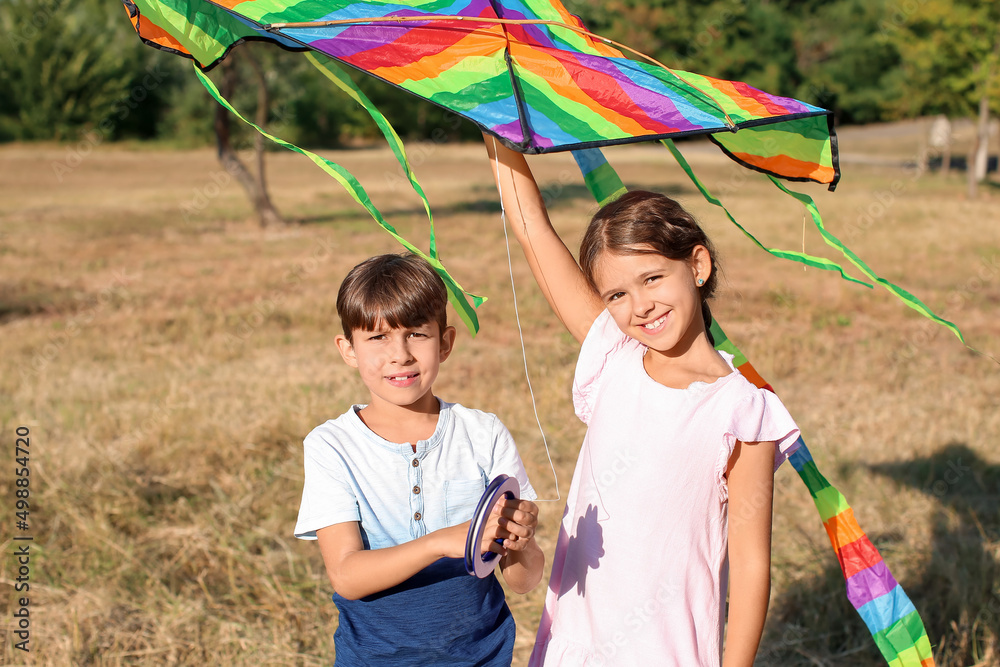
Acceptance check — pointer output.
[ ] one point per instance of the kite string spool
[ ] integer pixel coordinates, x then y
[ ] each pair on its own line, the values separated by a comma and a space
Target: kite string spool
517, 318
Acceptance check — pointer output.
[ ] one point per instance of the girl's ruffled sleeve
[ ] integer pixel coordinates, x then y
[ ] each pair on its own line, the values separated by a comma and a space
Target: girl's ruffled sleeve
760, 417
603, 341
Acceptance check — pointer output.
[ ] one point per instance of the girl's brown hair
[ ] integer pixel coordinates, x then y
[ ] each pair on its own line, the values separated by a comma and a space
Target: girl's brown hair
396, 290
641, 222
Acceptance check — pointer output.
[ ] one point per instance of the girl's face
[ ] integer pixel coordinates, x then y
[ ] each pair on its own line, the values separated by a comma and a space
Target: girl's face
653, 299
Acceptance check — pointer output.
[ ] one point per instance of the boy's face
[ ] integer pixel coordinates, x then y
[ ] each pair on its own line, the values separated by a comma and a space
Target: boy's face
398, 366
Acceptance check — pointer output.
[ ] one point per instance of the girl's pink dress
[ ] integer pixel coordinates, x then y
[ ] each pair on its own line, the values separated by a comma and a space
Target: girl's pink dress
640, 571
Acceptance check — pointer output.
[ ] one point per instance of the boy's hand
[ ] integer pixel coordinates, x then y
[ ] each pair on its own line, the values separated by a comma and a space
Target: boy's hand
512, 521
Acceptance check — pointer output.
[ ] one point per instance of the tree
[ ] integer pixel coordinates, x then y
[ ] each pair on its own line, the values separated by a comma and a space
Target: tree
70, 67
845, 64
254, 183
950, 52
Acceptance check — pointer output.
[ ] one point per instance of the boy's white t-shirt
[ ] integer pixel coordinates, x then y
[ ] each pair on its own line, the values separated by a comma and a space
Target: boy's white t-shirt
397, 495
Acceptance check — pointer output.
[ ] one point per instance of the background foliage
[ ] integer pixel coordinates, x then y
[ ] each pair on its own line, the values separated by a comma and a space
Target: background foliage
75, 67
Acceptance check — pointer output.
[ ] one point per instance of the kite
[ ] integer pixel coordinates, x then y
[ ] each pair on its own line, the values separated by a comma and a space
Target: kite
525, 71
530, 74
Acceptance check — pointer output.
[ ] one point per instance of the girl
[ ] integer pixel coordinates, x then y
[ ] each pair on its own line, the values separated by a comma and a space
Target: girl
671, 497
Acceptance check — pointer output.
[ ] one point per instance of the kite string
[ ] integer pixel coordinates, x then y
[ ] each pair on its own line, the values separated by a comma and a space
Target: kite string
520, 333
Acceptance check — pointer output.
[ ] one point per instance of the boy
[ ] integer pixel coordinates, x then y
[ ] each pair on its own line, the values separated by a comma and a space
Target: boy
390, 487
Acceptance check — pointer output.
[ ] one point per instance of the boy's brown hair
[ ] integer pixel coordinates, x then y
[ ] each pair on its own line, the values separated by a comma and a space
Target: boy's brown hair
395, 290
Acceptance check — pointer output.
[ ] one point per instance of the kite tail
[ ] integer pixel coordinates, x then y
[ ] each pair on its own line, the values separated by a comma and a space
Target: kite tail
458, 297
831, 240
872, 590
883, 605
600, 177
893, 621
801, 257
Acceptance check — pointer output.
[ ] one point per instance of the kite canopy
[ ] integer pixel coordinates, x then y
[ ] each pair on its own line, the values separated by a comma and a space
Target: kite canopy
525, 71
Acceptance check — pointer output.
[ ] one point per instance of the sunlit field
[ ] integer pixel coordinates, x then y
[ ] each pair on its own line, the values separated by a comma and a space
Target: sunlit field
168, 356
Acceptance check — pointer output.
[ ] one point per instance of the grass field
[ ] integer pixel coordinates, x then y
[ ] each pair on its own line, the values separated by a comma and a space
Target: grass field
168, 356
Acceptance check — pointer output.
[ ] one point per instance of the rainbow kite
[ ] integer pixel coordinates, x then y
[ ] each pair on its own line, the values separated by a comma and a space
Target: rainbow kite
530, 74
526, 71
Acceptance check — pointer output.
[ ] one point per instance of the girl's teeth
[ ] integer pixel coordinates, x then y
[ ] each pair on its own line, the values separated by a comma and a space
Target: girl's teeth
653, 325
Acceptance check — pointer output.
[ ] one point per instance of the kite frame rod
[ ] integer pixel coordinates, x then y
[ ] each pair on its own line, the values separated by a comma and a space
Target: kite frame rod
477, 19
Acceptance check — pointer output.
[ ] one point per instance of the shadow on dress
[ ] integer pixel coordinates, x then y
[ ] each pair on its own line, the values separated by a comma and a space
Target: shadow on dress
583, 553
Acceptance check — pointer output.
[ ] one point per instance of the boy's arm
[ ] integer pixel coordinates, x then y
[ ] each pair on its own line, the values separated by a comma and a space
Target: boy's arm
571, 297
751, 491
522, 565
356, 572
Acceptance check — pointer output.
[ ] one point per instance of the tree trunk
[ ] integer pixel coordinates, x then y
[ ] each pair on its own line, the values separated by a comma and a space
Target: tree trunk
982, 139
979, 155
254, 187
266, 211
924, 152
970, 172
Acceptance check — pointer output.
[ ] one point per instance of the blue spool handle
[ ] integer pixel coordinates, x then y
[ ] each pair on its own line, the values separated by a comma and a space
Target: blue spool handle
481, 565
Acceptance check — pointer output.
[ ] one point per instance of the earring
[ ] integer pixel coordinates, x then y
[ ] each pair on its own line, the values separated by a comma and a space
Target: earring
701, 281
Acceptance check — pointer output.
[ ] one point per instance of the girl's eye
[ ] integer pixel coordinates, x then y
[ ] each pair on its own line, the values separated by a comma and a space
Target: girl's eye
616, 296
415, 334
652, 279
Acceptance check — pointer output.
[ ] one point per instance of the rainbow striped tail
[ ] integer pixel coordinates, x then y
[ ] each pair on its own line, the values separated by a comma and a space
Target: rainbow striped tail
882, 603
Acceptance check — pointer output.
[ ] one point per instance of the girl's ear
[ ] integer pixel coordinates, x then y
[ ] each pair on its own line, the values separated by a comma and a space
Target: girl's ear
346, 349
701, 264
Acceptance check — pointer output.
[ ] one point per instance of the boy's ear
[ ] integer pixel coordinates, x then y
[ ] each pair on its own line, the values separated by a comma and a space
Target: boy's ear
447, 342
346, 350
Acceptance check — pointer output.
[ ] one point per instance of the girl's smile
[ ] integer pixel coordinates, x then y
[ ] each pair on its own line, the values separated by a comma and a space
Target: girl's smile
656, 325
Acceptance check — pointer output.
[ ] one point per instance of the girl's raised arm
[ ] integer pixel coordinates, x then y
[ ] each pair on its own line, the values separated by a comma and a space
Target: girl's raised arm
569, 294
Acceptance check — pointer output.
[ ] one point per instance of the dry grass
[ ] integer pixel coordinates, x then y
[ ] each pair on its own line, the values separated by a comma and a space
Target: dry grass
168, 368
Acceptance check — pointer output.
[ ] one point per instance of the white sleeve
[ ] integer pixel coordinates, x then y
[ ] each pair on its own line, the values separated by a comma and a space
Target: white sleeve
507, 461
760, 417
327, 495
